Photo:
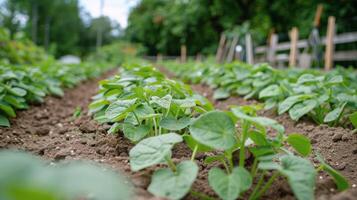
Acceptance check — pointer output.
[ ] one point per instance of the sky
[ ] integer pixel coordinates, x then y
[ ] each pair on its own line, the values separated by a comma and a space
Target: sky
117, 10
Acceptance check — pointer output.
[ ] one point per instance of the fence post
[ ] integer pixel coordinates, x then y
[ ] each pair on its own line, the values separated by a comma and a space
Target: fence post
294, 36
159, 58
219, 53
249, 48
183, 54
232, 49
329, 43
272, 48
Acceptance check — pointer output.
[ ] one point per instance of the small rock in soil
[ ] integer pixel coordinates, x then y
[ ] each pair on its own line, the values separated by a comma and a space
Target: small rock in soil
346, 195
42, 131
337, 137
341, 166
62, 154
87, 127
346, 137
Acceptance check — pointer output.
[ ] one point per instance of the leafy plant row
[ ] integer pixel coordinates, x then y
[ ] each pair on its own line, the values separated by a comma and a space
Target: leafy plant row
156, 113
21, 85
324, 97
25, 176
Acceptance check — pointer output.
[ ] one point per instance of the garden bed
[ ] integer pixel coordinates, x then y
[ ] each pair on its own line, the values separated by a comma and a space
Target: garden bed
51, 131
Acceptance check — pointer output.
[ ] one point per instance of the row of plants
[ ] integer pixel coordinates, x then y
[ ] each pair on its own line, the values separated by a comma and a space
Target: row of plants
24, 176
156, 113
324, 97
21, 85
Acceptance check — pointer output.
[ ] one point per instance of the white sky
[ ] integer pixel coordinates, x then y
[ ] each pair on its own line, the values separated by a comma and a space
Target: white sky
117, 10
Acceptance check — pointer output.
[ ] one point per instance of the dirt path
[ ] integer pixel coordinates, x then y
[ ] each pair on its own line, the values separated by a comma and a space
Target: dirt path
49, 130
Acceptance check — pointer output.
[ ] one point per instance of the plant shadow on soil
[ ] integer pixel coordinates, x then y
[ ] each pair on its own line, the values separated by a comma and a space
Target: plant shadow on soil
50, 131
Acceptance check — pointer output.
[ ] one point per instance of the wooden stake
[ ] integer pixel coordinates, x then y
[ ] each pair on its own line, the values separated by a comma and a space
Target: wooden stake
272, 48
329, 43
183, 54
232, 49
219, 53
249, 48
225, 50
294, 36
159, 58
318, 15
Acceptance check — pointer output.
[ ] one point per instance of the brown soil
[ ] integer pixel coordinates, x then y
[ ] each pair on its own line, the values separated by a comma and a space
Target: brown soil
50, 130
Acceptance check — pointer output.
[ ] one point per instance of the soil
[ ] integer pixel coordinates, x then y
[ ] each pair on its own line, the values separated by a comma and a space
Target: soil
50, 131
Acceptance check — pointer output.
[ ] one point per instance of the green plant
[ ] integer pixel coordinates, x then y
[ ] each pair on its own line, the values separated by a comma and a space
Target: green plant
141, 102
27, 177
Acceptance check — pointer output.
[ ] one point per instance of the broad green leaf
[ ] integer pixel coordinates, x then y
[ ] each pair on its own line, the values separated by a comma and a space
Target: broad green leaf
334, 114
353, 119
301, 109
335, 79
288, 103
192, 144
244, 89
185, 103
164, 102
258, 138
229, 186
136, 133
152, 150
142, 111
214, 129
220, 94
170, 123
270, 91
262, 121
308, 78
97, 105
339, 179
119, 108
300, 173
174, 185
4, 121
17, 91
7, 109
300, 143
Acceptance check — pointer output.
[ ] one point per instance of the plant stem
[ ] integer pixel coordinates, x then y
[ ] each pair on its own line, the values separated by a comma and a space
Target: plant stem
155, 126
171, 164
260, 182
226, 166
267, 185
242, 145
321, 167
194, 152
254, 167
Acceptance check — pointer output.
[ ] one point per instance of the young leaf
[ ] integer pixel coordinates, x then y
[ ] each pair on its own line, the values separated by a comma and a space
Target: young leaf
214, 129
270, 91
229, 186
136, 133
164, 102
152, 150
301, 109
119, 108
287, 103
115, 128
262, 121
334, 114
7, 109
300, 143
353, 119
174, 185
4, 121
170, 123
341, 182
300, 173
220, 94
